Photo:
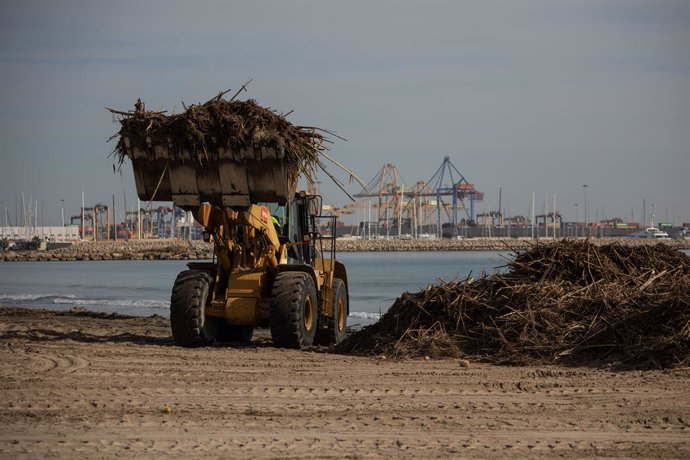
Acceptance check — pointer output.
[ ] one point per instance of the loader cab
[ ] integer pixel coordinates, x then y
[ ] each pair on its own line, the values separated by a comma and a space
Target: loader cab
297, 225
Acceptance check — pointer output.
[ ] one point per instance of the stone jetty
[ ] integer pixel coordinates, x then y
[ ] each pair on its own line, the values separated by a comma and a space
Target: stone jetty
195, 250
121, 250
429, 245
475, 244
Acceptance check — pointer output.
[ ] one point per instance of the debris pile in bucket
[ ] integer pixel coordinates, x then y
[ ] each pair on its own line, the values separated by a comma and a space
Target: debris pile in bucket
569, 302
240, 127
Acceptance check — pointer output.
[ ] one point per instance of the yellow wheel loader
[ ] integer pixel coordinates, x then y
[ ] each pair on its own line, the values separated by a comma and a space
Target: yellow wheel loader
282, 276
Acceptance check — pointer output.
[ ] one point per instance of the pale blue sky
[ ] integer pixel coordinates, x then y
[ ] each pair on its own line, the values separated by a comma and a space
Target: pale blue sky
536, 96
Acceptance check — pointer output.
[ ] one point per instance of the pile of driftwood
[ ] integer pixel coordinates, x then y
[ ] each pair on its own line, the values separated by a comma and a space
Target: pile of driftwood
243, 128
568, 302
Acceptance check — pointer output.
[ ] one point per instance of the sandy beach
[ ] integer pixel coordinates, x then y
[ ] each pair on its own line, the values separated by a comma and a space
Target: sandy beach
98, 386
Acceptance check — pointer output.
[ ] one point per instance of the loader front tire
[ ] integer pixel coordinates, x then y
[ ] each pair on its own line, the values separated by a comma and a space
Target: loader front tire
188, 321
335, 330
294, 310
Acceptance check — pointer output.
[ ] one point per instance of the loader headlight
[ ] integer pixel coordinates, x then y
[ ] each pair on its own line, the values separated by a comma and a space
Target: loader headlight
206, 236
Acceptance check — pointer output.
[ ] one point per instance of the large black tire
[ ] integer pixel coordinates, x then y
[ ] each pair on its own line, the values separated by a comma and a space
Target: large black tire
188, 321
294, 310
237, 334
336, 326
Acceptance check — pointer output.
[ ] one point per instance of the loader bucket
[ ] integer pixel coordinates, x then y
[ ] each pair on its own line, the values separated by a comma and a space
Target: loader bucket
230, 178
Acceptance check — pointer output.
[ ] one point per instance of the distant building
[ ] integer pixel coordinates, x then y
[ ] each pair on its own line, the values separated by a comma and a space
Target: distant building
68, 233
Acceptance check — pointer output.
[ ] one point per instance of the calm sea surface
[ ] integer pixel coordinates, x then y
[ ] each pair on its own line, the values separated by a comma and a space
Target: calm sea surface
143, 287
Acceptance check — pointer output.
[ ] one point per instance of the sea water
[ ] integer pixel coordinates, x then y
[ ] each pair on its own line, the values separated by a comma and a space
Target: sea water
140, 287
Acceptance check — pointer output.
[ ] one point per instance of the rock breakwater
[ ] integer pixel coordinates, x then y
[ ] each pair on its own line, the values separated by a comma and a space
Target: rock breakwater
194, 250
121, 250
478, 244
396, 245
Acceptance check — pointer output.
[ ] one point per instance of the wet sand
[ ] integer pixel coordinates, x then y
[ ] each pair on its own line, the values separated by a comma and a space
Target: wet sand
96, 386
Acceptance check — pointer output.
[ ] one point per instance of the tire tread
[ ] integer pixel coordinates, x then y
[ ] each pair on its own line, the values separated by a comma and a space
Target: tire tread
187, 304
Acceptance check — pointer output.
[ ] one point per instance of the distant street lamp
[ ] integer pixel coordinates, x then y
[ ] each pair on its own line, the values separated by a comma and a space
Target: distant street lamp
575, 220
62, 209
586, 227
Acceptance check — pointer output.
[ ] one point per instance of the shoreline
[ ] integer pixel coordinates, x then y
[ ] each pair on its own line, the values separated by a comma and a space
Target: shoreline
199, 250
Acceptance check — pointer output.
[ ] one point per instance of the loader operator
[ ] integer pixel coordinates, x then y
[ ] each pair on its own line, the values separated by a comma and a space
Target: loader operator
276, 224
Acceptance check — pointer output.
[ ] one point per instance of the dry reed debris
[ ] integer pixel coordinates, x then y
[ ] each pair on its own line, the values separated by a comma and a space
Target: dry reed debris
569, 302
233, 125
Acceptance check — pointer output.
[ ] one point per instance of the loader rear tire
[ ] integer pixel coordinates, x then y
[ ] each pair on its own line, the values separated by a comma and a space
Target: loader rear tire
188, 321
335, 330
294, 310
